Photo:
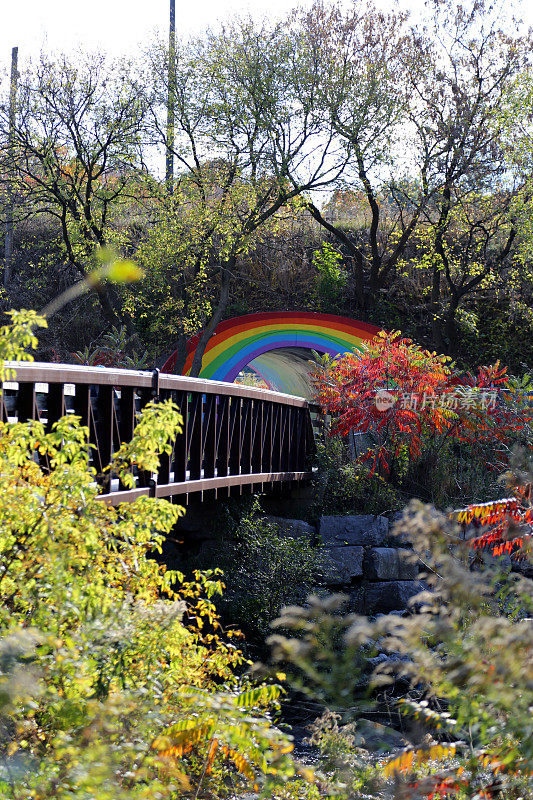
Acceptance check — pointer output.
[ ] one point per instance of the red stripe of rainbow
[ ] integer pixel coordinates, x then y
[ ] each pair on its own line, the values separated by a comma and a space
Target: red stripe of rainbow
239, 340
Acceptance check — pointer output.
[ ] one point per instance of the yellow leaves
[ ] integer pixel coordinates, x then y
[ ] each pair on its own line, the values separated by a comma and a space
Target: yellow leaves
12, 748
17, 338
263, 695
124, 271
114, 269
409, 759
307, 774
239, 762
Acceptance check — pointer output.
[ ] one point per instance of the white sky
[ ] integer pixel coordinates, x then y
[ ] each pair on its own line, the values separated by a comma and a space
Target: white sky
122, 26
118, 26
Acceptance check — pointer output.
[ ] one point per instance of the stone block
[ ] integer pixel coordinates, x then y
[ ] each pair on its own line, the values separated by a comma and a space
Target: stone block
382, 597
344, 563
361, 530
296, 528
390, 564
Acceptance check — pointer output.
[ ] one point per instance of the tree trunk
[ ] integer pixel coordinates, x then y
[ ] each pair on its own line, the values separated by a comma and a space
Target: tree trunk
181, 354
225, 280
451, 326
436, 322
350, 246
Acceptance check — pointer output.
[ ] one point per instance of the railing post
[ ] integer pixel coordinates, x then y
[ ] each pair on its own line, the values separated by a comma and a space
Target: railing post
155, 384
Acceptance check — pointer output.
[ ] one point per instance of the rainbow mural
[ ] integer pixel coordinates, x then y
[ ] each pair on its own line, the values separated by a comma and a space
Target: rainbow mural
252, 340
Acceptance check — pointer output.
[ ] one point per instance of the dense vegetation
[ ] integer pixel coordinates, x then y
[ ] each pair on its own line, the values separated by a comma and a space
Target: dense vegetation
340, 160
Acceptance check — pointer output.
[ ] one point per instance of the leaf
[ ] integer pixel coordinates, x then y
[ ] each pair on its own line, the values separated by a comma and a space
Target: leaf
123, 271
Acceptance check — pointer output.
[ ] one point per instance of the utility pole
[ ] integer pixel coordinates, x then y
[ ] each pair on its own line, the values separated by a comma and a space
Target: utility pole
171, 98
8, 252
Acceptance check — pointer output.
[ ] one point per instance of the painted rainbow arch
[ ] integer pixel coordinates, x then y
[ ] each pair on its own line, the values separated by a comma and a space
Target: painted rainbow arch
243, 341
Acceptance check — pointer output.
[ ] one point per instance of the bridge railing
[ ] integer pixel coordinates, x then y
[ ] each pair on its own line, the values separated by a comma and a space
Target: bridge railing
235, 438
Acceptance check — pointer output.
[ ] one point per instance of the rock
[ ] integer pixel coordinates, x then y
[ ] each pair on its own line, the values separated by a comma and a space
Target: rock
391, 659
389, 564
296, 528
363, 529
346, 564
385, 596
380, 738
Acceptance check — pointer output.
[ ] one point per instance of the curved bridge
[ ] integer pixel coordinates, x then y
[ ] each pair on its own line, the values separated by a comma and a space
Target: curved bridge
235, 438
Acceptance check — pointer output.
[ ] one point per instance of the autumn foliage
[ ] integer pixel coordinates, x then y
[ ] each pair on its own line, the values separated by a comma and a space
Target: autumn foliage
504, 526
405, 399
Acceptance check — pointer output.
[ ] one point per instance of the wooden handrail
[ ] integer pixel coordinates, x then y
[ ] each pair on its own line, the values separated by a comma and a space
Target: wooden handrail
235, 438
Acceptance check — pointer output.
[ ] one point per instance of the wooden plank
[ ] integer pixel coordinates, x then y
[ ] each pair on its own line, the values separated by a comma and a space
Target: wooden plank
252, 479
40, 372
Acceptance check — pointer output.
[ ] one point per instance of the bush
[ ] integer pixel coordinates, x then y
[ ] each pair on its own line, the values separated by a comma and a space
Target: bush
416, 414
264, 569
116, 681
468, 658
343, 486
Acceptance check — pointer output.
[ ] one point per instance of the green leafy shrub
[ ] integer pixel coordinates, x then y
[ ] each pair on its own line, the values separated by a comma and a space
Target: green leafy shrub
332, 278
116, 679
342, 486
264, 568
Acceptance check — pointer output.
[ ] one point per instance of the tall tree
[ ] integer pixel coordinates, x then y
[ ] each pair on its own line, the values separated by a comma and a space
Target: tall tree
246, 144
364, 95
74, 151
468, 65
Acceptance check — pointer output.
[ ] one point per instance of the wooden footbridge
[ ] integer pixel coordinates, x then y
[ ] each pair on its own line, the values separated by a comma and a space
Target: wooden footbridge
235, 439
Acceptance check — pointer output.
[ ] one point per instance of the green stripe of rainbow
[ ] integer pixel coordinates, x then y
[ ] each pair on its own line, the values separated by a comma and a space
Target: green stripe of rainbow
239, 340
